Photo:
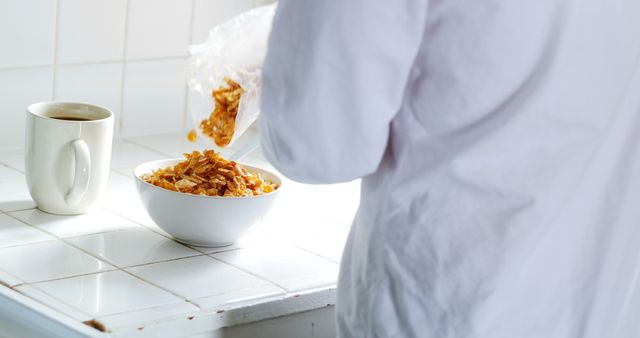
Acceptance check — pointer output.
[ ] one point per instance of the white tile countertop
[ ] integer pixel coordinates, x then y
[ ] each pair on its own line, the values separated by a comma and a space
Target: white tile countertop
116, 268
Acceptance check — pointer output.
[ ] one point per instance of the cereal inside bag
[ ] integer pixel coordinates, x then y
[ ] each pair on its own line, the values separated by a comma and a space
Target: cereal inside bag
221, 124
229, 63
209, 174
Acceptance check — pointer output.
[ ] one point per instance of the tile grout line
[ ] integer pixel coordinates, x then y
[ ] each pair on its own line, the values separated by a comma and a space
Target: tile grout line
12, 151
63, 239
126, 172
125, 41
313, 253
36, 66
146, 227
191, 301
20, 209
34, 285
249, 288
55, 238
197, 254
66, 239
8, 286
191, 26
12, 168
30, 243
159, 287
130, 141
185, 112
2, 164
128, 312
51, 296
56, 33
4, 272
250, 273
117, 266
133, 60
91, 63
115, 171
67, 277
124, 269
199, 249
100, 259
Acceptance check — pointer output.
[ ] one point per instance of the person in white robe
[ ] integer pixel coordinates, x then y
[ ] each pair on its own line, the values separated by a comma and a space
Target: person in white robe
498, 143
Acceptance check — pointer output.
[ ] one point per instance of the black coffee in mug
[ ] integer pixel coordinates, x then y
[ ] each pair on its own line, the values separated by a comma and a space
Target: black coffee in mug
71, 118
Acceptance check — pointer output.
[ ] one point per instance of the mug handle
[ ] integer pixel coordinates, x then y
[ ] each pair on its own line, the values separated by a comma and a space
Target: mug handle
82, 172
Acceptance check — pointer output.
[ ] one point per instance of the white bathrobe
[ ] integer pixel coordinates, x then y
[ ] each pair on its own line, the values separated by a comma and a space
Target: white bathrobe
498, 142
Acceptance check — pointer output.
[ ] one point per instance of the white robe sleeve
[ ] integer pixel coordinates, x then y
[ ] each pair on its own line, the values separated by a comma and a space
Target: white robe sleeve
333, 79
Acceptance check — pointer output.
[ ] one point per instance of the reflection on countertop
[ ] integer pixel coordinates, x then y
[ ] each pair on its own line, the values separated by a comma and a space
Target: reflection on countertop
115, 266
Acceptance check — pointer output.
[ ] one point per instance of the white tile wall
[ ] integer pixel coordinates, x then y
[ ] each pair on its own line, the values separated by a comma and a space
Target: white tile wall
158, 28
27, 31
207, 13
91, 30
128, 55
154, 97
93, 83
19, 88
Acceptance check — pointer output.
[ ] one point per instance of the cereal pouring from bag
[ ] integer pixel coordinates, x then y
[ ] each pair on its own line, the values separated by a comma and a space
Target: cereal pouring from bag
209, 174
229, 64
221, 124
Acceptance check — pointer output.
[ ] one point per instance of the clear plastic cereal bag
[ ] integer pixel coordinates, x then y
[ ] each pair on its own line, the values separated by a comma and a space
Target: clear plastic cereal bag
224, 76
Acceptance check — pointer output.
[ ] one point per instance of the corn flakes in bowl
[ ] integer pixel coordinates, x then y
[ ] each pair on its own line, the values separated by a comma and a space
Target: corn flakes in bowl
203, 199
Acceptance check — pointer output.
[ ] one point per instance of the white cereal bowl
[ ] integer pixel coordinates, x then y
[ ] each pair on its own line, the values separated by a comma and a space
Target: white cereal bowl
209, 221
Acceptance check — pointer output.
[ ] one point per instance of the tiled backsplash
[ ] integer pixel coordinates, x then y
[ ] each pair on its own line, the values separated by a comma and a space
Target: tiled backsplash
128, 55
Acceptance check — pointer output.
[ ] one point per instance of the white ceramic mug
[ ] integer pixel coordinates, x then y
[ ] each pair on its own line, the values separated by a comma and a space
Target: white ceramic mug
67, 155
